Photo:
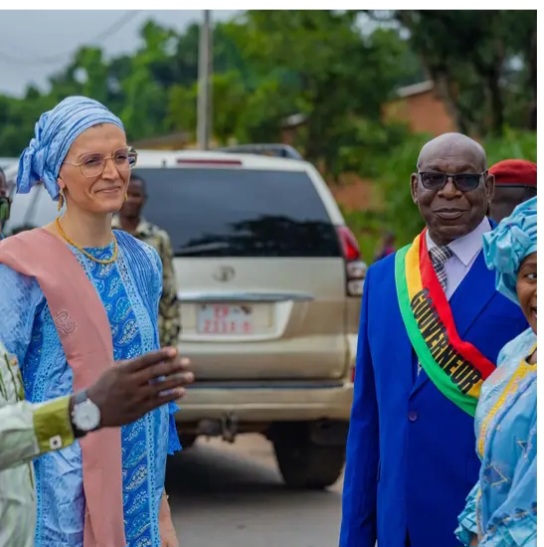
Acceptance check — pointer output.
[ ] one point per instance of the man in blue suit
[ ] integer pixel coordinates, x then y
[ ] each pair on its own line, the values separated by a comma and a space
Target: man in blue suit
432, 325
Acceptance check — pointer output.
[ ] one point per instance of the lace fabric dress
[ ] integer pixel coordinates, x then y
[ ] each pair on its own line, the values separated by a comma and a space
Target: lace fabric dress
502, 506
130, 290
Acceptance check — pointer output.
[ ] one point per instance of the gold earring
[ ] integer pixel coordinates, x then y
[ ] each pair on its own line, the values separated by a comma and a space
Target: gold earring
61, 199
126, 196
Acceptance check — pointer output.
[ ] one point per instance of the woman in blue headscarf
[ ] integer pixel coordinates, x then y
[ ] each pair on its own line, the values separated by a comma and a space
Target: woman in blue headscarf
501, 509
80, 154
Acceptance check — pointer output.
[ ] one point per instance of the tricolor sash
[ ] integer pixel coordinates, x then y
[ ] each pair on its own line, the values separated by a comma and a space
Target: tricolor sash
455, 366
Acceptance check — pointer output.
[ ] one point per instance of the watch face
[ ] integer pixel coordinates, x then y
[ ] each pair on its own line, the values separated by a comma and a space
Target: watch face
86, 416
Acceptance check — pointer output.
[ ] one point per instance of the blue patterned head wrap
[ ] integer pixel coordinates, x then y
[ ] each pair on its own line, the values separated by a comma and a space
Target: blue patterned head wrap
54, 133
509, 244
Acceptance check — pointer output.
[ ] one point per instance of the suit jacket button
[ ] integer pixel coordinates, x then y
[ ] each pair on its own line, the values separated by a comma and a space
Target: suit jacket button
412, 415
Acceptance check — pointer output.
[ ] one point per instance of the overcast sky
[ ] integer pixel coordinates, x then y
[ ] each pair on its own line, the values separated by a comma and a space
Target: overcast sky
35, 44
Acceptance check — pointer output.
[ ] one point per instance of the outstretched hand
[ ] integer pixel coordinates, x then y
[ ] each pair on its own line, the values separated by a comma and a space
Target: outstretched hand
127, 391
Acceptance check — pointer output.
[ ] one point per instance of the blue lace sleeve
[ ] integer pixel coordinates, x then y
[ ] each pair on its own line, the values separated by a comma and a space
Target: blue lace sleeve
21, 295
468, 525
513, 524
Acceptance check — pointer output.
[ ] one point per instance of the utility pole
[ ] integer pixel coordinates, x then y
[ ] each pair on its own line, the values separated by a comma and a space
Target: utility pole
204, 101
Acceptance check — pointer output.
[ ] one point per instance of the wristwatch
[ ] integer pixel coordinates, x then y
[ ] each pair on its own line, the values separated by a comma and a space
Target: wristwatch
85, 414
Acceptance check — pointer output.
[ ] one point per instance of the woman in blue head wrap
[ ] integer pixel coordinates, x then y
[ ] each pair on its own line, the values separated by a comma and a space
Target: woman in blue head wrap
80, 154
501, 509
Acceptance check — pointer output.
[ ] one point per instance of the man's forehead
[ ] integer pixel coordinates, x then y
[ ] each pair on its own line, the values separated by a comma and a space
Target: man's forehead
455, 149
459, 165
459, 161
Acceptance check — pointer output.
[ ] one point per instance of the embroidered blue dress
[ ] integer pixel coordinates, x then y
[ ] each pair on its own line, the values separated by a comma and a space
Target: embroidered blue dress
130, 289
501, 508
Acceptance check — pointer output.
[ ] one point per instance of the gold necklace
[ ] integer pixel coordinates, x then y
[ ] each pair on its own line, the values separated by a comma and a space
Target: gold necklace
83, 251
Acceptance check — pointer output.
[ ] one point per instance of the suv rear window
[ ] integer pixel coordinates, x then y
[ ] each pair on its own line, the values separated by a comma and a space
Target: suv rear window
239, 212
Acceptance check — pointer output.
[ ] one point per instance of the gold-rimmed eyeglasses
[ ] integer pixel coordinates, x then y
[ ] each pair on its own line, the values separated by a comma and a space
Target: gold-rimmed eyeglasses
93, 165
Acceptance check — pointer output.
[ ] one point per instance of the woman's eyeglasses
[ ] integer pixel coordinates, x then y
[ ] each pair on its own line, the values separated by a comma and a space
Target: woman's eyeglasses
93, 165
464, 182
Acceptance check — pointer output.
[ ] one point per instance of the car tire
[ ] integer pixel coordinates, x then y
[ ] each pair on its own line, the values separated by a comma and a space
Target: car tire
306, 464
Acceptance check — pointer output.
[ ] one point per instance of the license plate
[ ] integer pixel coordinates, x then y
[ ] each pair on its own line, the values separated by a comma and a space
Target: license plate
224, 319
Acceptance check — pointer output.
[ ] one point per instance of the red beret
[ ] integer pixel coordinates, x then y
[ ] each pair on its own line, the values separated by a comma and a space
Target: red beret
514, 172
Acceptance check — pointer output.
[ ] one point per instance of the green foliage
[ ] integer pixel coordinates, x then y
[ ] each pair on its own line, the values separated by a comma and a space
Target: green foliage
336, 69
267, 66
513, 144
367, 227
484, 63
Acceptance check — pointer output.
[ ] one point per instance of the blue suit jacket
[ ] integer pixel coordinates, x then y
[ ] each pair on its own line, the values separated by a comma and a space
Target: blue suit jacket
411, 457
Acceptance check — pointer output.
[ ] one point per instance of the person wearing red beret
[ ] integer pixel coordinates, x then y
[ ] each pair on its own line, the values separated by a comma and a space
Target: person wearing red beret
515, 182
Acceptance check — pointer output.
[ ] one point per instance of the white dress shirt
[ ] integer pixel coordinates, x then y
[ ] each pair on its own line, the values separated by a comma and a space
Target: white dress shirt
465, 250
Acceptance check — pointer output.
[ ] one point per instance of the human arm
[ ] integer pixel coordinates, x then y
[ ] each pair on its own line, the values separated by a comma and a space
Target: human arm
28, 430
123, 394
21, 301
166, 526
358, 528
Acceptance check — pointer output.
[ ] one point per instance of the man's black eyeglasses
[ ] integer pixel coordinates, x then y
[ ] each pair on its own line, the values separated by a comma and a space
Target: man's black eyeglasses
464, 182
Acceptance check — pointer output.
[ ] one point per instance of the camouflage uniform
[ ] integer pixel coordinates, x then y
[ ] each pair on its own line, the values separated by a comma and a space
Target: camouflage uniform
169, 318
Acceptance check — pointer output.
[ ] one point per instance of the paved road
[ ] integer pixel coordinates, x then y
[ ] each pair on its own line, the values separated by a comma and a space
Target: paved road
225, 495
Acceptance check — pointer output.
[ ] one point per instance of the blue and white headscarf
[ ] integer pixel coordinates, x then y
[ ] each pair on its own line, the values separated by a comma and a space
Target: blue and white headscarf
509, 244
54, 133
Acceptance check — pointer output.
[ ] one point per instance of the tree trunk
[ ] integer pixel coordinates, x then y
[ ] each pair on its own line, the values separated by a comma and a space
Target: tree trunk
497, 103
443, 86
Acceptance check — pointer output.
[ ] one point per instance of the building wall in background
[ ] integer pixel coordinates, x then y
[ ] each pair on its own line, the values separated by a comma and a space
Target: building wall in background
421, 108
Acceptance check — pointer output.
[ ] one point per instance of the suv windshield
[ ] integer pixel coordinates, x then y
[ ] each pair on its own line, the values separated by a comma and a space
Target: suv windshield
239, 212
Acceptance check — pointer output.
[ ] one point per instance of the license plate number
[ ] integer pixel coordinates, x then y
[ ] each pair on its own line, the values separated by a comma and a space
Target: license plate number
224, 319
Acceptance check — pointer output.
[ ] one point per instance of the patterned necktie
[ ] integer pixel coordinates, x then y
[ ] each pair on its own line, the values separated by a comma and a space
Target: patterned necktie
439, 256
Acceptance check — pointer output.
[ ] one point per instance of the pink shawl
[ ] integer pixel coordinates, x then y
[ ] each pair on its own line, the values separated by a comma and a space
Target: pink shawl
84, 331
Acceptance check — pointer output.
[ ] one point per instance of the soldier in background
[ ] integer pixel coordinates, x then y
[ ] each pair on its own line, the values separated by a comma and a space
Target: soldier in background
131, 220
387, 246
515, 182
